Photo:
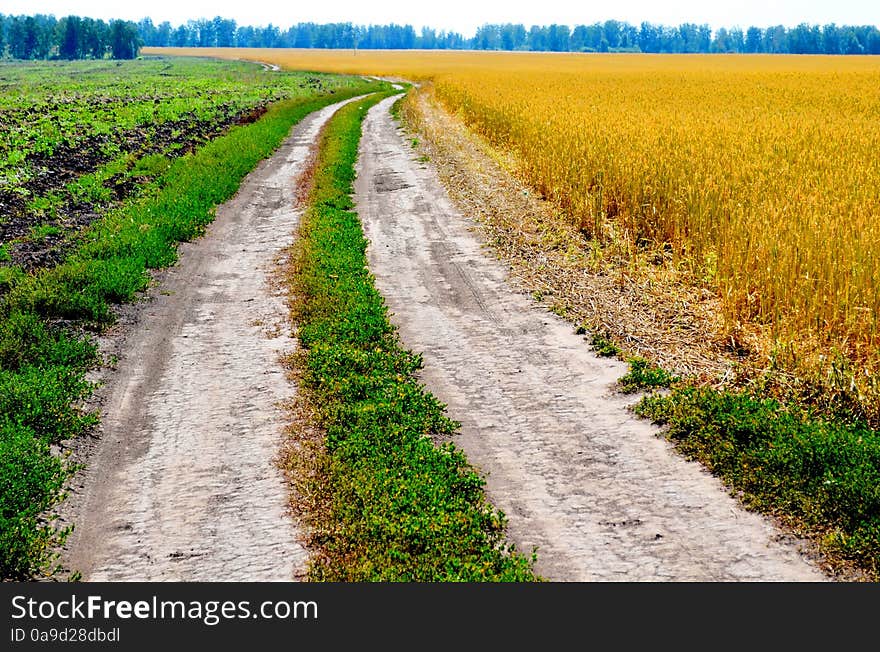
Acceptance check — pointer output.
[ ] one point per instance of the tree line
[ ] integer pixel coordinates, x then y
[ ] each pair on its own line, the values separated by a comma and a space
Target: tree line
608, 36
73, 37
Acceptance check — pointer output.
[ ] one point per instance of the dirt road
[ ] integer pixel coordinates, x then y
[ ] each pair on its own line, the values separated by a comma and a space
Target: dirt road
182, 485
593, 487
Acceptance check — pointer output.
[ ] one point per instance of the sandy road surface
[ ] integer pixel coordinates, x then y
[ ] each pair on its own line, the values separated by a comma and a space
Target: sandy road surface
593, 487
182, 485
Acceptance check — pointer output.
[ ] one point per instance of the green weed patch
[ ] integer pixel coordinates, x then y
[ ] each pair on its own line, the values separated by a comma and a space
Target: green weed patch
821, 476
644, 374
395, 506
604, 346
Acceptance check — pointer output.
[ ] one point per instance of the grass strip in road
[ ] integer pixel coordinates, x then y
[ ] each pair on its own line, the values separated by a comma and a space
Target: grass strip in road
820, 476
387, 503
45, 348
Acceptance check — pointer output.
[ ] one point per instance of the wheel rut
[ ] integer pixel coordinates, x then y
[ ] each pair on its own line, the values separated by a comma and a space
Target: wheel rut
182, 482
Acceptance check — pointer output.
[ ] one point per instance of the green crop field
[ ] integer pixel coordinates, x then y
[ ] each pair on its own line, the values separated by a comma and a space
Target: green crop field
78, 137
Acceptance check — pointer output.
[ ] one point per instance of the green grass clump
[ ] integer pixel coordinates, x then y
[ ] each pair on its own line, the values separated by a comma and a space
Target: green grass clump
40, 233
152, 165
644, 374
41, 379
603, 346
399, 508
822, 476
31, 482
10, 277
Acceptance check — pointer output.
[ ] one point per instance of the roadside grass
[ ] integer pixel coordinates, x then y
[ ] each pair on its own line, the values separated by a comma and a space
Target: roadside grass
40, 233
816, 471
387, 503
46, 319
644, 374
819, 475
604, 346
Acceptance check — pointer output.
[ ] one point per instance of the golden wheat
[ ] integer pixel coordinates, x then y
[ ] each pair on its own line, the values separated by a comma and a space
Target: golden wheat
760, 173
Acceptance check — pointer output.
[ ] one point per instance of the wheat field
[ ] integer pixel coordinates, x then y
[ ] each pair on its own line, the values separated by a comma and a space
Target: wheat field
760, 175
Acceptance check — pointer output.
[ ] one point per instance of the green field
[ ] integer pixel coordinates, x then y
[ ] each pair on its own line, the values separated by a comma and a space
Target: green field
78, 137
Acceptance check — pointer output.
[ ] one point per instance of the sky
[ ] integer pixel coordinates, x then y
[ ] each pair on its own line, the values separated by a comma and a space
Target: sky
464, 16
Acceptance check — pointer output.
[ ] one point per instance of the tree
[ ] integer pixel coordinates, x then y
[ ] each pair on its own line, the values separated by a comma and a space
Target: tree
428, 39
871, 39
163, 34
612, 32
754, 40
775, 40
649, 38
23, 37
737, 41
537, 38
488, 37
70, 48
224, 32
721, 42
558, 38
578, 41
124, 40
40, 37
147, 31
406, 36
269, 36
804, 39
513, 37
94, 38
850, 43
325, 37
690, 39
204, 33
704, 38
629, 37
180, 37
452, 41
831, 39
347, 36
245, 37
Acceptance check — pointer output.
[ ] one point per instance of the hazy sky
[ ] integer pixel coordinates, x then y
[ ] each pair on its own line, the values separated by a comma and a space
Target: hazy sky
466, 15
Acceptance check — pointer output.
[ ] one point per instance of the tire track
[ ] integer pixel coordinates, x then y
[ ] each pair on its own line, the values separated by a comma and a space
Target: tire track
183, 485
